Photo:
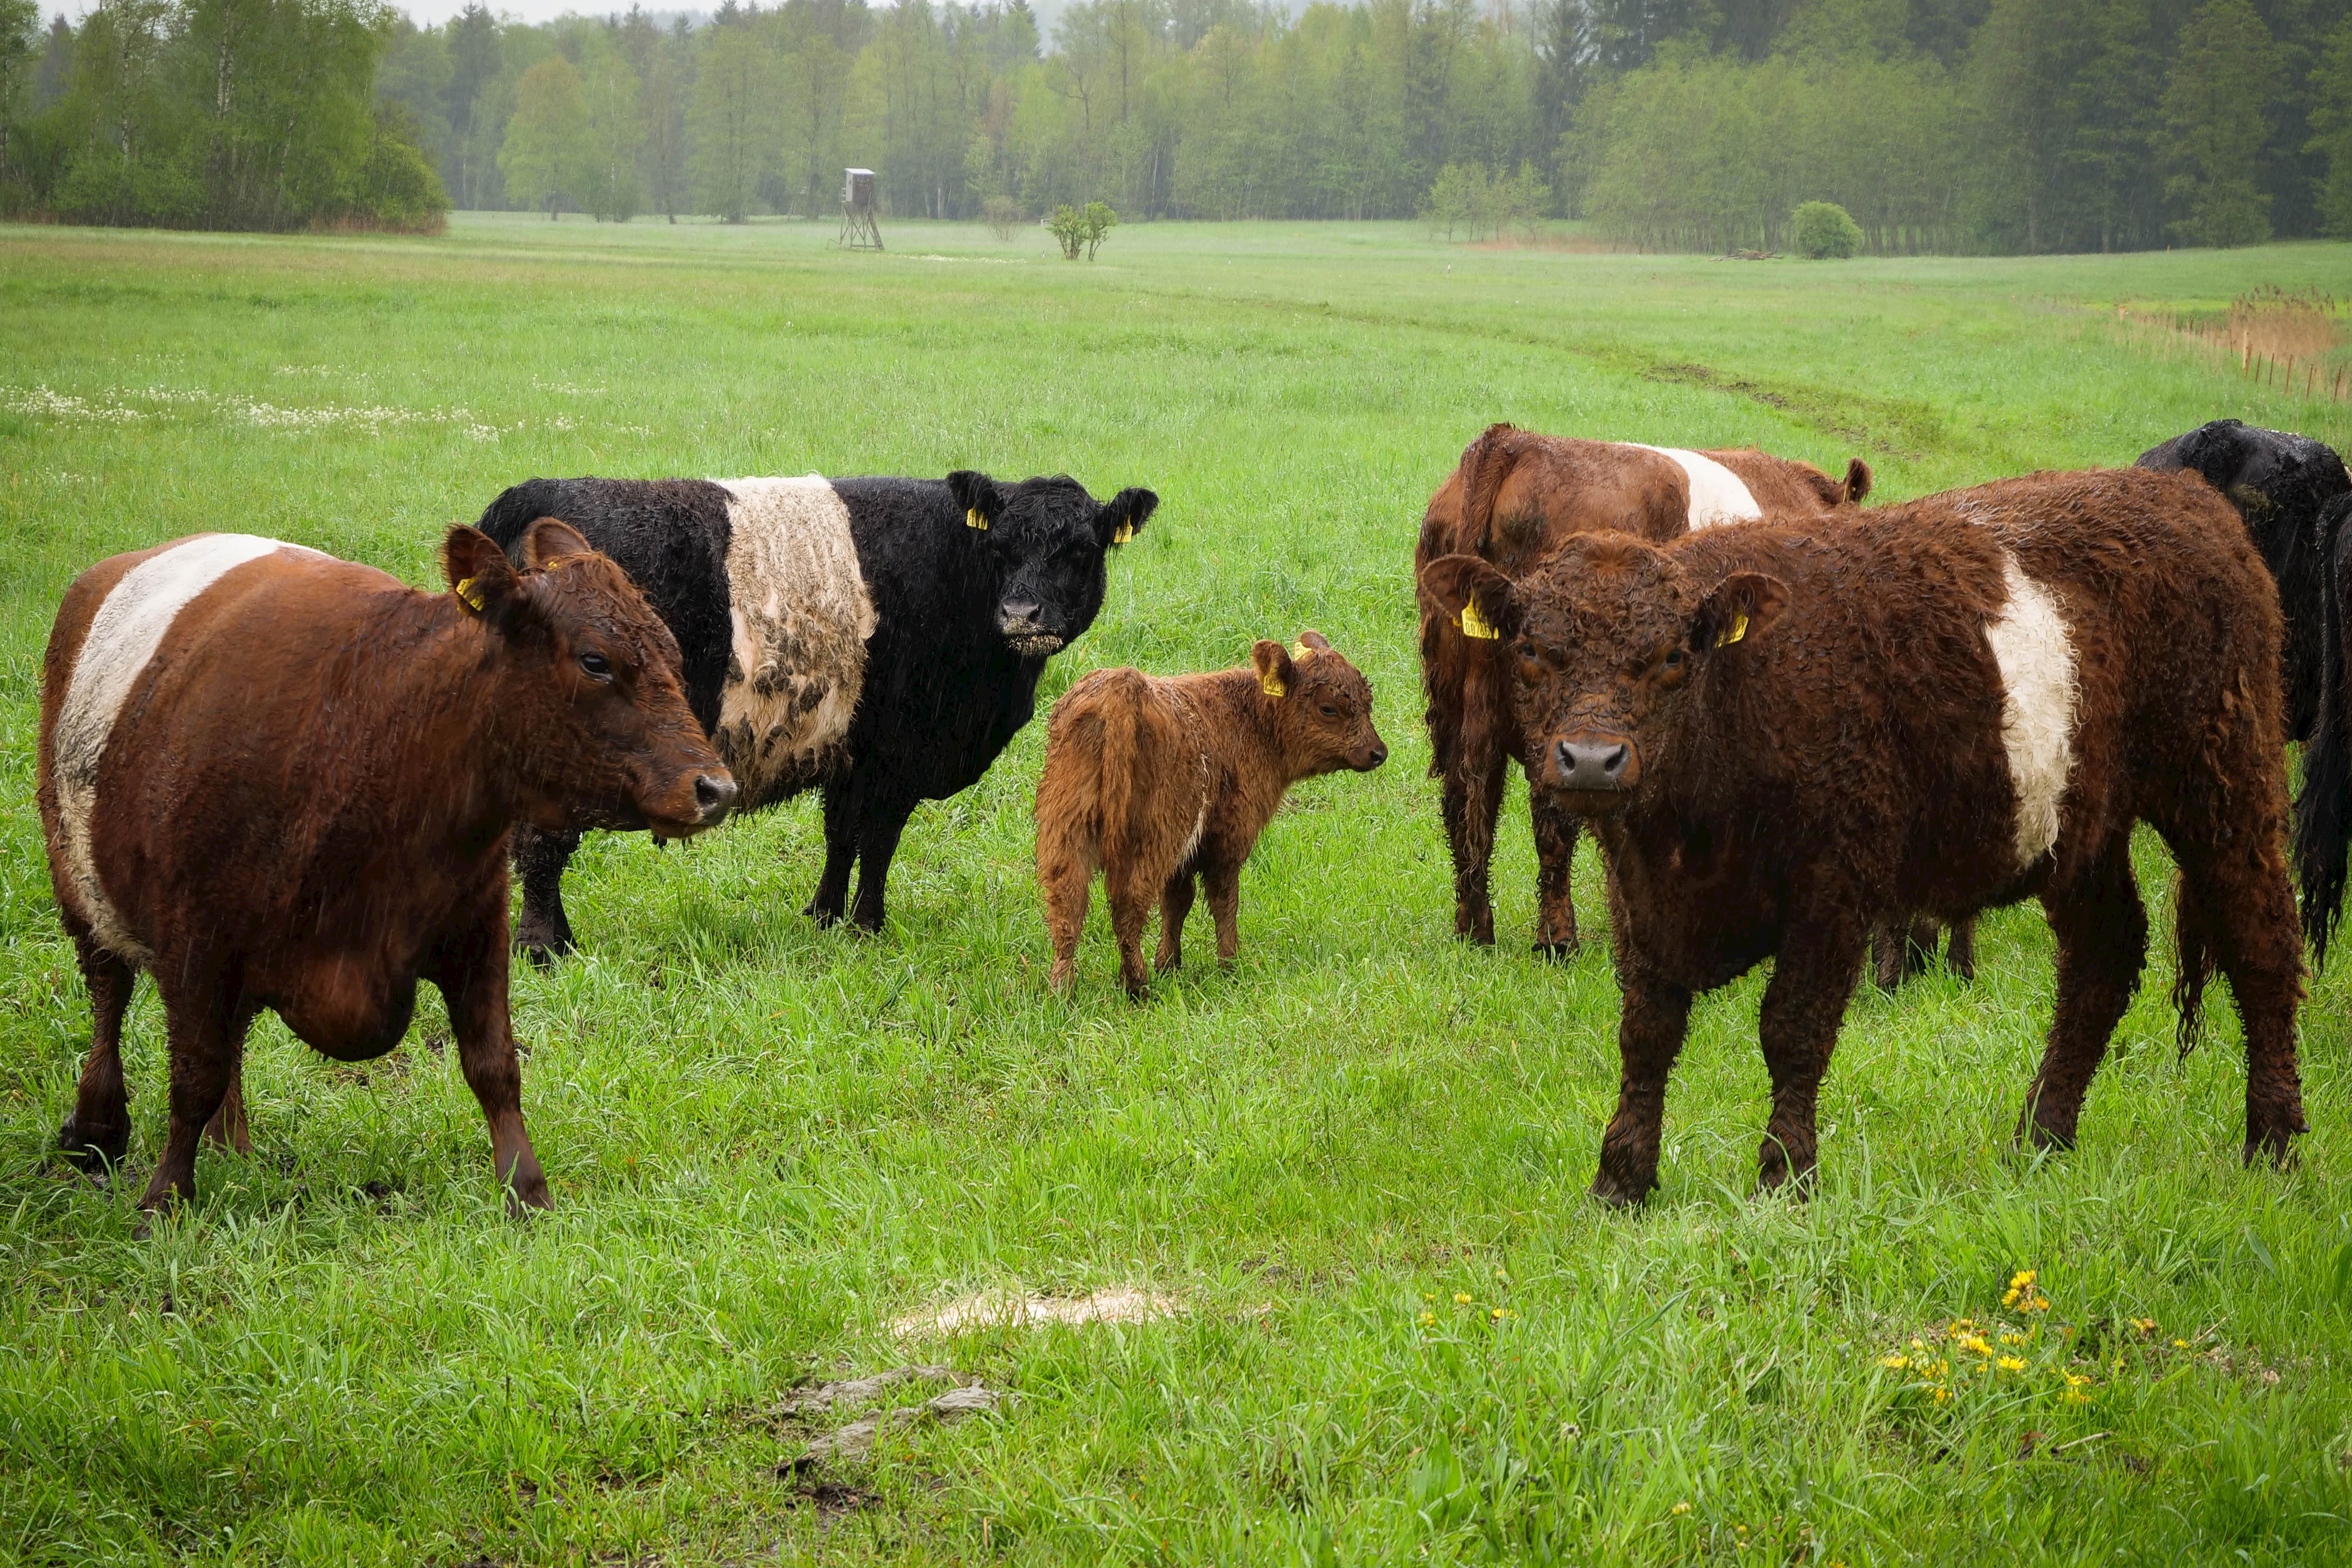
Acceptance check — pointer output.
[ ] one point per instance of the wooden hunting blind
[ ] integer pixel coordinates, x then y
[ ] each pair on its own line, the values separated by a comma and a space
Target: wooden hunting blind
858, 229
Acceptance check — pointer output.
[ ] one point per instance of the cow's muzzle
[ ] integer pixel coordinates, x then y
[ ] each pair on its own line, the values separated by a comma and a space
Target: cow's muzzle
1593, 762
1026, 634
697, 800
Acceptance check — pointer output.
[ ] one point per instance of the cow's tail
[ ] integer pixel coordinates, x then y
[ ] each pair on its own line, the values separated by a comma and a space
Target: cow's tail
508, 517
2323, 812
1857, 481
1124, 698
2192, 944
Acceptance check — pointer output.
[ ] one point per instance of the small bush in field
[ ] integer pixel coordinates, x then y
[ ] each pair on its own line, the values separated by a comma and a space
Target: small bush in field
1826, 232
1001, 213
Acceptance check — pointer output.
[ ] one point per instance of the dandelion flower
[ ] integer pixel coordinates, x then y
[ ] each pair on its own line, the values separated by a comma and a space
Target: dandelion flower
2012, 1339
1682, 1507
1427, 1317
1897, 1361
2010, 1364
1461, 1298
1499, 1313
2022, 1280
2180, 1345
2076, 1380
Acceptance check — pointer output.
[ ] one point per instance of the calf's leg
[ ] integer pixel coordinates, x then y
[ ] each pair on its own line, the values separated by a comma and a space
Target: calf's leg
227, 1129
1065, 870
472, 978
544, 932
1128, 888
1556, 829
1223, 883
2241, 906
1812, 979
1175, 905
1656, 1015
206, 1031
96, 1134
1960, 953
2102, 934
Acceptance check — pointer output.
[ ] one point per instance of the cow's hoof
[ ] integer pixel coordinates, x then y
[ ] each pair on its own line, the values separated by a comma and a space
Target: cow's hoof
522, 1201
826, 916
543, 955
2273, 1144
93, 1155
2037, 1137
1557, 952
1619, 1194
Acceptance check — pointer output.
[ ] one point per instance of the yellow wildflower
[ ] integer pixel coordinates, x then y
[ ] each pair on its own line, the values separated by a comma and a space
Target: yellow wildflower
1940, 1393
2076, 1380
2022, 1280
1975, 1343
2180, 1345
1461, 1298
1682, 1507
1427, 1317
1897, 1361
2145, 1325
2010, 1364
2013, 1339
1500, 1313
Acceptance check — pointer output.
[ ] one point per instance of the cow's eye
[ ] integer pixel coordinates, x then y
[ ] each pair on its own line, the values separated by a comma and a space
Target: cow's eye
1674, 659
1327, 710
597, 666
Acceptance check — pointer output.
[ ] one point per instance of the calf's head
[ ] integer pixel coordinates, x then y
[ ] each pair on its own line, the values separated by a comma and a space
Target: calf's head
591, 687
1322, 707
1603, 640
1046, 538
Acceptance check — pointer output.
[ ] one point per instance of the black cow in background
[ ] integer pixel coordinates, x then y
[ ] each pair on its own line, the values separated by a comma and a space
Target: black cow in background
2282, 486
2323, 812
879, 638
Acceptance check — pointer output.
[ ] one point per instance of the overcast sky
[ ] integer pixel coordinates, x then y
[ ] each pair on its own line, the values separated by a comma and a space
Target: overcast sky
425, 13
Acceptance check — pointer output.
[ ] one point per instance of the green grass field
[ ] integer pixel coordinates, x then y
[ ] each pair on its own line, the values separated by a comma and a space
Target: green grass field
1352, 1167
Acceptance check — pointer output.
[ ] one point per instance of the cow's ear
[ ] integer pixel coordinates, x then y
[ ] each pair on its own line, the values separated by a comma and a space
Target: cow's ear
1857, 480
1274, 670
1310, 638
977, 494
1124, 513
1741, 607
480, 573
1473, 595
549, 540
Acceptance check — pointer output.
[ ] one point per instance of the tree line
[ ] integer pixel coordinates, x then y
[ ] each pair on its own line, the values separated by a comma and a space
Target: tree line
1944, 125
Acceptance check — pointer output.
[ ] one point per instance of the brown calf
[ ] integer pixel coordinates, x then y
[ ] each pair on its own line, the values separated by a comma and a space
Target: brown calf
270, 779
1786, 733
1158, 781
1512, 501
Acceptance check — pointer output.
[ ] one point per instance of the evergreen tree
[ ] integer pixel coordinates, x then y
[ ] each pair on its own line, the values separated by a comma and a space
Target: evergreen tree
2225, 74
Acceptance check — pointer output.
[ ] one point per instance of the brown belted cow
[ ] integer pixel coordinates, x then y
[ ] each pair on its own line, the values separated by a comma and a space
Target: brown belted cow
1783, 733
1513, 499
271, 778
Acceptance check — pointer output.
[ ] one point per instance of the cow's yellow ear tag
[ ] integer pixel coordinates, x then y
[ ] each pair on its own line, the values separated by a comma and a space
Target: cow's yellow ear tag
1272, 686
470, 595
1738, 630
1126, 532
1299, 651
1476, 625
973, 519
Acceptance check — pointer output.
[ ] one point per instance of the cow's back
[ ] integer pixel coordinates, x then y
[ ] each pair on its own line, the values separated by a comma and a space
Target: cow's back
188, 709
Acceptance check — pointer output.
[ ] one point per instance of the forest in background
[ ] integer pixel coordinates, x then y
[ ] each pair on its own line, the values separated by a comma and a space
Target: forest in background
1985, 126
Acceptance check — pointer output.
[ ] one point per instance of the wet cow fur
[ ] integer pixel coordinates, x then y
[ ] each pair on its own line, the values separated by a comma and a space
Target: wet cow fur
1512, 501
1162, 782
2323, 812
1783, 733
2282, 486
269, 779
879, 639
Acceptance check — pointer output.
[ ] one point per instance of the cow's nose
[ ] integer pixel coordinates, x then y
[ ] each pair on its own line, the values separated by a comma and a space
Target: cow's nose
1593, 762
1380, 754
1018, 610
714, 794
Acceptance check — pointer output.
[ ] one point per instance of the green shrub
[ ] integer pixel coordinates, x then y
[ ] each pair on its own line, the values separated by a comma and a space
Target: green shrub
1825, 231
1081, 229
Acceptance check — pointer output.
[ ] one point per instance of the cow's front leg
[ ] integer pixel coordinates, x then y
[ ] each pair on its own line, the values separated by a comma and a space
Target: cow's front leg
472, 976
1812, 979
544, 932
840, 853
1556, 829
1656, 1015
877, 843
227, 1128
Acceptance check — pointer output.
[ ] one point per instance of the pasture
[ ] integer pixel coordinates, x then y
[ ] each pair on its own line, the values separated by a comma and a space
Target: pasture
1346, 1177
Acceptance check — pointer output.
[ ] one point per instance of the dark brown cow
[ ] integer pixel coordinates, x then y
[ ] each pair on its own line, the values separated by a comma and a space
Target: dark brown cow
1159, 780
1512, 501
270, 779
1784, 733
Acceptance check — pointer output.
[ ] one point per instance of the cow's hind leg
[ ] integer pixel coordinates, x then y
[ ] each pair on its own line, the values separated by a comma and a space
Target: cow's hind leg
2238, 907
1175, 905
544, 931
1960, 952
2102, 936
1128, 889
1812, 979
1470, 761
1065, 870
1556, 828
96, 1134
227, 1129
207, 1041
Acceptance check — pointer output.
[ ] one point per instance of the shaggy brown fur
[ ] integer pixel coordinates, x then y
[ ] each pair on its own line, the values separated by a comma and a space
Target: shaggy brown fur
303, 805
1159, 780
1512, 501
1785, 733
